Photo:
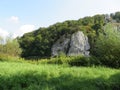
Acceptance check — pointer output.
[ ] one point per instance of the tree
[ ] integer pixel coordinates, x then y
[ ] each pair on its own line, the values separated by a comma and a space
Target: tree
116, 16
108, 46
10, 47
99, 21
87, 21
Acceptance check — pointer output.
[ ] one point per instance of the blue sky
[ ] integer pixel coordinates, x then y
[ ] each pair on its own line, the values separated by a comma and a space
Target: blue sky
20, 16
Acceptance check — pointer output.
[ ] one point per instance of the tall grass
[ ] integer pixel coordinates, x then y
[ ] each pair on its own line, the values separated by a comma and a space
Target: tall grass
72, 61
26, 76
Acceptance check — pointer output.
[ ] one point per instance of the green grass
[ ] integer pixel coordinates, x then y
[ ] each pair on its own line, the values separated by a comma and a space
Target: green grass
26, 76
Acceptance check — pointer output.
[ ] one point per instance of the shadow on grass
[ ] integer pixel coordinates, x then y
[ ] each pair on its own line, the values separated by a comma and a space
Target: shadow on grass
43, 81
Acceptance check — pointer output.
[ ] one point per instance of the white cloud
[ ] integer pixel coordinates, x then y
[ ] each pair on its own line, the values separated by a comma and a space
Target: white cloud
14, 19
27, 28
3, 33
24, 29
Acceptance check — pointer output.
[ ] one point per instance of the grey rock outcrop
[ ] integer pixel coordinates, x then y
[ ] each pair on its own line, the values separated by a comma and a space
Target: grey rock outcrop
75, 45
60, 46
79, 45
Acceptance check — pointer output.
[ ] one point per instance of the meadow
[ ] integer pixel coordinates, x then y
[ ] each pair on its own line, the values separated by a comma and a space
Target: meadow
16, 75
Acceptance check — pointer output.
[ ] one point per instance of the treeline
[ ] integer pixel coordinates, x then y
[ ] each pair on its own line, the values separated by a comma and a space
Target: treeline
38, 43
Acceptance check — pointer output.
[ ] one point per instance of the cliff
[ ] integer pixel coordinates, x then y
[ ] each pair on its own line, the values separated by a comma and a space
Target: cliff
75, 45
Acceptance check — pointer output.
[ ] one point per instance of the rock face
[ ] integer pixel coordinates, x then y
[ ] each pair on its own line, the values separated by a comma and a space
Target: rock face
60, 46
75, 45
79, 44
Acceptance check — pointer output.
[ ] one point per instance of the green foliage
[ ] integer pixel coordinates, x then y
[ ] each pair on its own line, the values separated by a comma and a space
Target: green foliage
25, 76
108, 47
8, 58
85, 61
87, 21
116, 16
10, 47
72, 61
56, 60
99, 21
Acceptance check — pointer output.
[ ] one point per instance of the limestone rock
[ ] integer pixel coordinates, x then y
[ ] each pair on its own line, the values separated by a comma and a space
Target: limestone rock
79, 45
60, 46
75, 45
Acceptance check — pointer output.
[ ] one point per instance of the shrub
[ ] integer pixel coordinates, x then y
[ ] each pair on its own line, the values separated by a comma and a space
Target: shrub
85, 61
9, 47
80, 61
72, 61
110, 61
108, 47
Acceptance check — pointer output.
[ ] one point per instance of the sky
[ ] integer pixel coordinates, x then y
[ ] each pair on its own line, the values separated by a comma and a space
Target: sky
21, 16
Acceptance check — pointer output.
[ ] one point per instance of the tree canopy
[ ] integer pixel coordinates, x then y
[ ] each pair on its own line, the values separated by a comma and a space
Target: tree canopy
39, 42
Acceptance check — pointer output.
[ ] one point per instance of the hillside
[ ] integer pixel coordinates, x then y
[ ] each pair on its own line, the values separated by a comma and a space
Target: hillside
38, 44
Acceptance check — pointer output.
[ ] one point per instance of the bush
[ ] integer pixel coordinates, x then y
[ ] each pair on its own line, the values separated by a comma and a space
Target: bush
80, 61
108, 47
110, 61
9, 47
72, 61
8, 58
56, 60
85, 61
